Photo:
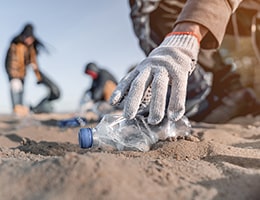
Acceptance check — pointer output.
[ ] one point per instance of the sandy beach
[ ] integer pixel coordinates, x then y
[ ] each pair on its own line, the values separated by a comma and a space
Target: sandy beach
39, 160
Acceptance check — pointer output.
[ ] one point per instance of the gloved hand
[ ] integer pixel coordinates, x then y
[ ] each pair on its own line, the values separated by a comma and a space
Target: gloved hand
170, 63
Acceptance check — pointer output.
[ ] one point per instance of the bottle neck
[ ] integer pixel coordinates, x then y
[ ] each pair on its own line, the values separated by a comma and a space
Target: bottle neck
95, 142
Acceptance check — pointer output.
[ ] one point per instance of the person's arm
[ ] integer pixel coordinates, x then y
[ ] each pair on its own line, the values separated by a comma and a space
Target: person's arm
199, 30
34, 65
173, 61
101, 89
98, 87
213, 14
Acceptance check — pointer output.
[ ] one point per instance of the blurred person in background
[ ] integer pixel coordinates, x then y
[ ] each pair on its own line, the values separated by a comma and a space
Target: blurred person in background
103, 82
22, 53
101, 89
94, 103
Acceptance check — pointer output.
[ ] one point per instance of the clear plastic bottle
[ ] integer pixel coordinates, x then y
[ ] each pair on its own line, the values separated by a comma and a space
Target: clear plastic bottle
115, 132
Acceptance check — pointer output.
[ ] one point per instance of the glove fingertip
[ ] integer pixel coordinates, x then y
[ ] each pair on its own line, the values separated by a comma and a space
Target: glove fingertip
175, 116
129, 110
154, 120
129, 115
115, 97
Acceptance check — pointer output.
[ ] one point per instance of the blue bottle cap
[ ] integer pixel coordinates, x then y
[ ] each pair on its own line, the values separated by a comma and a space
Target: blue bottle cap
85, 137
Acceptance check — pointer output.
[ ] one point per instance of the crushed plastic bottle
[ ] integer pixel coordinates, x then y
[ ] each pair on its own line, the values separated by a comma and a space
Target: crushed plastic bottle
72, 122
114, 132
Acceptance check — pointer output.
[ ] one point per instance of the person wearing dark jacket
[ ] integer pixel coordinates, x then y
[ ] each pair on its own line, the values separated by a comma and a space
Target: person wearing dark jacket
103, 82
94, 103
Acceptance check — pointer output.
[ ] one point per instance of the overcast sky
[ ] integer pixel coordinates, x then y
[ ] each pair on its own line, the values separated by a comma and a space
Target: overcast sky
75, 33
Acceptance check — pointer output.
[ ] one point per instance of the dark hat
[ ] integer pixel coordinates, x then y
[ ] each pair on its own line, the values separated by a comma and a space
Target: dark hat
27, 31
91, 67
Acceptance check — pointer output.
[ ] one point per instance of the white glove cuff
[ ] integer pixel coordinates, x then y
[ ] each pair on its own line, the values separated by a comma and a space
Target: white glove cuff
183, 41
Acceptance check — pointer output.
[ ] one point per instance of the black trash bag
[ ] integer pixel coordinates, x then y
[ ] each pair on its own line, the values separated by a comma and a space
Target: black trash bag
45, 105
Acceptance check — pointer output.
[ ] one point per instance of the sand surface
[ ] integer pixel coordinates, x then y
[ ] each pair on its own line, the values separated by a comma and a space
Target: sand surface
39, 160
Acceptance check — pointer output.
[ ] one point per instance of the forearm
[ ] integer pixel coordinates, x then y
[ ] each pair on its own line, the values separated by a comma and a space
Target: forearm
97, 92
213, 14
199, 30
36, 71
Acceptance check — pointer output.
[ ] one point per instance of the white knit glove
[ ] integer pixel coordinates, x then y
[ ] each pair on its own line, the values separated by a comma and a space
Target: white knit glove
170, 63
